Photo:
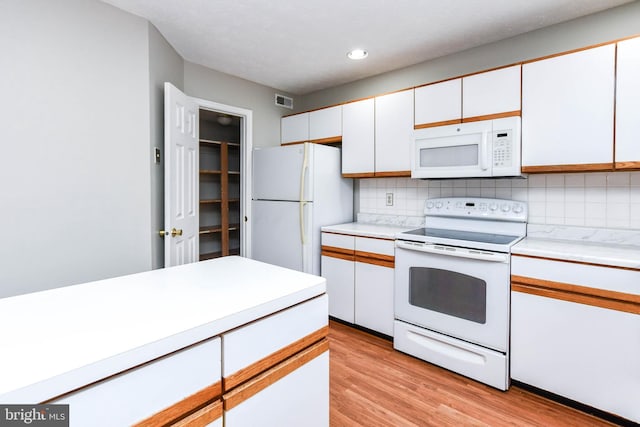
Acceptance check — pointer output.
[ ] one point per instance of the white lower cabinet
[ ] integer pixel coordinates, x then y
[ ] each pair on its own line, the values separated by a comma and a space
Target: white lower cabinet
299, 398
374, 297
574, 339
360, 274
276, 369
140, 396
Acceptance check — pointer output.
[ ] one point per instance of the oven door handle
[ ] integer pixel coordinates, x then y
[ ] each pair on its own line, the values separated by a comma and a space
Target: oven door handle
456, 252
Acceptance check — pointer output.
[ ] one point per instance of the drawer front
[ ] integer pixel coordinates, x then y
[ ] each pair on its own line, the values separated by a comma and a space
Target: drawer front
600, 277
251, 349
181, 381
377, 246
338, 240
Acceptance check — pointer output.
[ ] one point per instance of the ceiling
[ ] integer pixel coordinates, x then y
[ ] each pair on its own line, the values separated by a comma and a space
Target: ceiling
301, 46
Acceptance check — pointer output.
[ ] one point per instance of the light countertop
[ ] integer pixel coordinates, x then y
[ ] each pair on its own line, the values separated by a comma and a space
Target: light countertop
382, 231
61, 339
616, 248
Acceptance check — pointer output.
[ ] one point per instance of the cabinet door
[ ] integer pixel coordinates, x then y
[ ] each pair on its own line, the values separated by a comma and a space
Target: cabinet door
294, 128
325, 125
338, 267
628, 105
294, 393
567, 112
438, 104
358, 138
587, 354
491, 94
374, 274
394, 133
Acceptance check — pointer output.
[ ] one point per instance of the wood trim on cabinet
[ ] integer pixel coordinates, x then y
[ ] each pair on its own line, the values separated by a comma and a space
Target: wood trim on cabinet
244, 374
264, 380
436, 124
185, 406
202, 417
576, 262
293, 143
627, 165
359, 175
587, 167
329, 140
340, 253
602, 298
375, 259
516, 113
392, 173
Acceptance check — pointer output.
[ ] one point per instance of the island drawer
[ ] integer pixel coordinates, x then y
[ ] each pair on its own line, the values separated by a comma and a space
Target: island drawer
256, 347
164, 389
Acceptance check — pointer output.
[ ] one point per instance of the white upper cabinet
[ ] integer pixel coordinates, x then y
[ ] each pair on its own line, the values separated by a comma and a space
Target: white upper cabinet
628, 104
394, 133
325, 125
438, 103
567, 111
358, 137
493, 93
294, 128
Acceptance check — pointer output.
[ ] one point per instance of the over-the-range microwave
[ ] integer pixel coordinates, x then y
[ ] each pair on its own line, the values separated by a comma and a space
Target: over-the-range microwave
468, 150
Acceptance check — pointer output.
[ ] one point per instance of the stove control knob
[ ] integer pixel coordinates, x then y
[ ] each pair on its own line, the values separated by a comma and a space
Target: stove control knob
493, 207
438, 205
429, 205
517, 208
505, 208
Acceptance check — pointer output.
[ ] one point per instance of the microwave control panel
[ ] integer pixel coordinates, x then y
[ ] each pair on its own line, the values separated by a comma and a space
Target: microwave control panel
502, 148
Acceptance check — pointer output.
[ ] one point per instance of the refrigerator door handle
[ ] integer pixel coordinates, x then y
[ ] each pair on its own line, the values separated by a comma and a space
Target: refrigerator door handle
305, 166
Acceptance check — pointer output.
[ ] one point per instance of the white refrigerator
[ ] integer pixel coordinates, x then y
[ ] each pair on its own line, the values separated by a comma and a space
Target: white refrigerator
296, 190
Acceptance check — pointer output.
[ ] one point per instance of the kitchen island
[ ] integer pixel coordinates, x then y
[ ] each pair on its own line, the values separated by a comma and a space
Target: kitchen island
230, 337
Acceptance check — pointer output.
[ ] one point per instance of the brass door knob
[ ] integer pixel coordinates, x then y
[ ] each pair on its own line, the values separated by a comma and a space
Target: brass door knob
174, 232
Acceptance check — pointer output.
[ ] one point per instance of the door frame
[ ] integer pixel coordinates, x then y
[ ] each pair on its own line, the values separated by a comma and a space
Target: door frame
246, 150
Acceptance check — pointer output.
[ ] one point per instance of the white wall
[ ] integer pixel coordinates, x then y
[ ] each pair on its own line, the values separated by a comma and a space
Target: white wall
74, 171
205, 83
609, 200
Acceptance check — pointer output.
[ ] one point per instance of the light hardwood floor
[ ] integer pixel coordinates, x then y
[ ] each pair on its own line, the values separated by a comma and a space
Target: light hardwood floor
374, 385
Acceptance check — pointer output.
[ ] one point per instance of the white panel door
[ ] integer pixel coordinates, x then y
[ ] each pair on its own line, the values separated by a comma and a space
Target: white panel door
278, 236
492, 92
374, 297
438, 102
567, 109
294, 128
394, 132
181, 163
628, 102
358, 137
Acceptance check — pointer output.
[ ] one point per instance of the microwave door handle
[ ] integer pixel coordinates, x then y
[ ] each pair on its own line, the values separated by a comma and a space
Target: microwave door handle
484, 153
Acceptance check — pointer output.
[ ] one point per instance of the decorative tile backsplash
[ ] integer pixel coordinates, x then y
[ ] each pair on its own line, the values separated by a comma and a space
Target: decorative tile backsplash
610, 199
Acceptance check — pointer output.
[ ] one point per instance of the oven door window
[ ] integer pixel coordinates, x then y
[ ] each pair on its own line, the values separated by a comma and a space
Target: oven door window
448, 292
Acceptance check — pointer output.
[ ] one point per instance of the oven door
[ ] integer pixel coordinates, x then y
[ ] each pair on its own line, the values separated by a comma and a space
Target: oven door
459, 292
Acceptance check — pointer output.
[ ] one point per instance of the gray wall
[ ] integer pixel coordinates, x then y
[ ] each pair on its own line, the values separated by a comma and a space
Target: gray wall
74, 171
165, 65
597, 28
205, 83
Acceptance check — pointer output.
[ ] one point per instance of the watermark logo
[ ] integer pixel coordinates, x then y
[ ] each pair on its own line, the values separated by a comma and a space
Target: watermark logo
34, 415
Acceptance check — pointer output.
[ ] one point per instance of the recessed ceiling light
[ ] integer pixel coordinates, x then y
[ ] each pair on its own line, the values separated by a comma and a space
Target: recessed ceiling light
357, 54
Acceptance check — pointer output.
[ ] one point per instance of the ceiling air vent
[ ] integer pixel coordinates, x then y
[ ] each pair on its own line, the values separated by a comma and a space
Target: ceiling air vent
284, 101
